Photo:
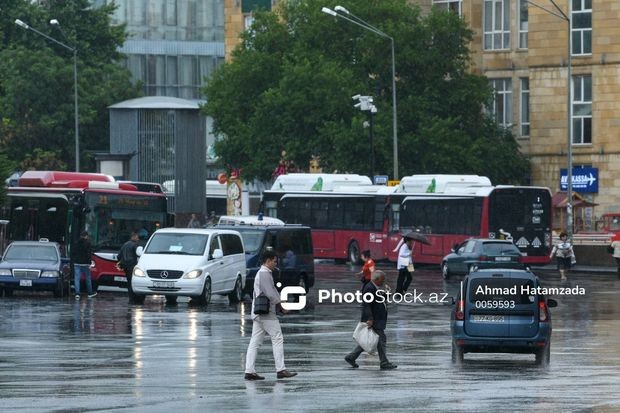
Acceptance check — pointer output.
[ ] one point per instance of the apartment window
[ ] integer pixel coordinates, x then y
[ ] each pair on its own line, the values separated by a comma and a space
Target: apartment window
496, 24
502, 101
525, 107
452, 5
523, 24
582, 109
581, 22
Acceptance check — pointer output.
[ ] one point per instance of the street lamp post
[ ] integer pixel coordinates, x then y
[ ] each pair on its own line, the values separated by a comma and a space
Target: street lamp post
55, 22
365, 105
569, 152
344, 14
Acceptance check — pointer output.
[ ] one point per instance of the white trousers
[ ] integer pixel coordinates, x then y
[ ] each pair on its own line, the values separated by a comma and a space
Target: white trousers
259, 328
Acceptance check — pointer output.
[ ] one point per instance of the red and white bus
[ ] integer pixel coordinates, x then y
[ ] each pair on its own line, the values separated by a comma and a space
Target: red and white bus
520, 213
59, 205
347, 214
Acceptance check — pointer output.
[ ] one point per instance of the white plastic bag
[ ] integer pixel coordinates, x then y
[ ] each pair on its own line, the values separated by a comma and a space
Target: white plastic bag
366, 337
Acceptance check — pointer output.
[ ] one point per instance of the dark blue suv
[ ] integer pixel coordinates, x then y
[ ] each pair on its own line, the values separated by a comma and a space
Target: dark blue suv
501, 311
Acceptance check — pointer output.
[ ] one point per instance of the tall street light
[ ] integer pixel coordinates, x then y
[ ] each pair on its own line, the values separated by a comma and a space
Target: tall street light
55, 22
569, 152
342, 13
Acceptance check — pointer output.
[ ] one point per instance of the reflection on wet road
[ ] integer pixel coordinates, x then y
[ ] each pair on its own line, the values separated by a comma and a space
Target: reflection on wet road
103, 354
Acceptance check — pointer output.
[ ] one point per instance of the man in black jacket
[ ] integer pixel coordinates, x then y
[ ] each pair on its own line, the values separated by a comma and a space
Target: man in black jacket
374, 314
82, 253
128, 259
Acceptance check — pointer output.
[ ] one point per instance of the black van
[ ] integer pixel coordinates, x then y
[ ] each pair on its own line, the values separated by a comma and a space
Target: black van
292, 243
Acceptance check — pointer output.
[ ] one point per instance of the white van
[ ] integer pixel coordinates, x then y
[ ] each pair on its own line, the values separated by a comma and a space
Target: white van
191, 262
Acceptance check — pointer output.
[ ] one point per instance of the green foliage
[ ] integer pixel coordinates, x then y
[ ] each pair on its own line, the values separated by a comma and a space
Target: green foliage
6, 167
36, 81
290, 83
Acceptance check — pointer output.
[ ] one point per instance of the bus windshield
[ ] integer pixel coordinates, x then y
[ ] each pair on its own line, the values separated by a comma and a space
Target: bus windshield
113, 217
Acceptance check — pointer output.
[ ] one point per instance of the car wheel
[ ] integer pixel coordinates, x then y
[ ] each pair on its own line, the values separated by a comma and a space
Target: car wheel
205, 297
457, 354
354, 253
237, 293
171, 300
8, 292
59, 291
445, 271
543, 356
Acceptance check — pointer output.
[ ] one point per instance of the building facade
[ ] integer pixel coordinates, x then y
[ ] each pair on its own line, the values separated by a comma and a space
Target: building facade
173, 44
524, 50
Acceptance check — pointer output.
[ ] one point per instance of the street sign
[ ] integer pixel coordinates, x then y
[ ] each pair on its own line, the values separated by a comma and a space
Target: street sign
584, 180
380, 179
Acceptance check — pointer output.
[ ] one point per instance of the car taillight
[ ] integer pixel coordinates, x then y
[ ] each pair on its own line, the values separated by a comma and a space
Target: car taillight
458, 312
543, 314
483, 258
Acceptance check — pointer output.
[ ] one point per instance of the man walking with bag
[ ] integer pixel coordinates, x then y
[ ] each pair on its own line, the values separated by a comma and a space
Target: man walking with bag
374, 314
266, 323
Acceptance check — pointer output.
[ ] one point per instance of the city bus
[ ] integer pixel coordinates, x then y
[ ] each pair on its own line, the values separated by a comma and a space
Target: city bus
59, 205
348, 214
518, 213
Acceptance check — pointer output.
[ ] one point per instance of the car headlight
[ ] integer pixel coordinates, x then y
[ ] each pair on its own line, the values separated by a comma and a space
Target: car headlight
138, 272
193, 274
5, 272
49, 274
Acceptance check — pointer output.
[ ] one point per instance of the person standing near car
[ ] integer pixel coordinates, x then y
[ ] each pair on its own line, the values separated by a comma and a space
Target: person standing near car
128, 259
266, 323
564, 255
82, 253
404, 265
374, 314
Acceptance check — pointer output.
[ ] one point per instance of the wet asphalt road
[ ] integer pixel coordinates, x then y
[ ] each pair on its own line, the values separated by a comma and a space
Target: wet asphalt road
105, 355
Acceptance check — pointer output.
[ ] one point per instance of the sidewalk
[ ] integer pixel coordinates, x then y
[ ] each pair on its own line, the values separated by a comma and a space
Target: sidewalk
579, 268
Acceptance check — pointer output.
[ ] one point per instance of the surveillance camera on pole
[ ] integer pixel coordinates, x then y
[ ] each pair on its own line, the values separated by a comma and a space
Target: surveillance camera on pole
364, 104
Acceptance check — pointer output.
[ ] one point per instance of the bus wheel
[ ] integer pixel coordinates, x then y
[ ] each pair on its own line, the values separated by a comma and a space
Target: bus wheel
445, 271
354, 252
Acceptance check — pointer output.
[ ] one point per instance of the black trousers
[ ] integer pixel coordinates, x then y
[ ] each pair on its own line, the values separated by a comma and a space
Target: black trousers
381, 349
404, 279
618, 263
128, 275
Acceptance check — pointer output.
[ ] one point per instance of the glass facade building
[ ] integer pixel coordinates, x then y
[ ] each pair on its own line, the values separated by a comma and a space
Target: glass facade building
173, 44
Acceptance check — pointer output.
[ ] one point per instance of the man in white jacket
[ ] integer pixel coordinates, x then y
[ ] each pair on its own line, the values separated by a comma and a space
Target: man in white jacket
266, 323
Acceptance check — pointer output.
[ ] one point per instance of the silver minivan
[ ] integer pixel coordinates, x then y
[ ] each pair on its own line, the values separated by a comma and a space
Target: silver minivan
194, 263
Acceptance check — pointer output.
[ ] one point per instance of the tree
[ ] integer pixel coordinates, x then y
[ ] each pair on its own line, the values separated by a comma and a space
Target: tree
36, 80
290, 83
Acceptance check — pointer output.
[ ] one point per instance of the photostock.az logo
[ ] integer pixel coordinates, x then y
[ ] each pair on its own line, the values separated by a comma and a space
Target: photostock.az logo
297, 290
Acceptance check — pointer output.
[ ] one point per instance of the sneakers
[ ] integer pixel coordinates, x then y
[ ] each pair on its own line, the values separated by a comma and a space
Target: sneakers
92, 295
77, 296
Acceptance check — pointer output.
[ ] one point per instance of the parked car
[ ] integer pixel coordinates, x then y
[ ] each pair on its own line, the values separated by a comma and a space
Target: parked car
478, 253
499, 311
292, 243
191, 262
33, 265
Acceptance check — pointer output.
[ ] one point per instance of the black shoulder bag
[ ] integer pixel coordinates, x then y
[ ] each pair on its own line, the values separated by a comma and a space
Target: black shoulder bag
261, 304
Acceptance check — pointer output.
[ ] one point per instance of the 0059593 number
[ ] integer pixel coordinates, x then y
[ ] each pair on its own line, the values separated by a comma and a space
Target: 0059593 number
494, 304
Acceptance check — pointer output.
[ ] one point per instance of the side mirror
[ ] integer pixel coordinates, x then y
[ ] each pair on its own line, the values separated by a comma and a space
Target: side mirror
551, 303
217, 254
139, 251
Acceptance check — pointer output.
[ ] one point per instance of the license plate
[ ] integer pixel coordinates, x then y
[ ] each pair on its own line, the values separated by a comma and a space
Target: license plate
163, 284
25, 283
503, 258
488, 318
120, 279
